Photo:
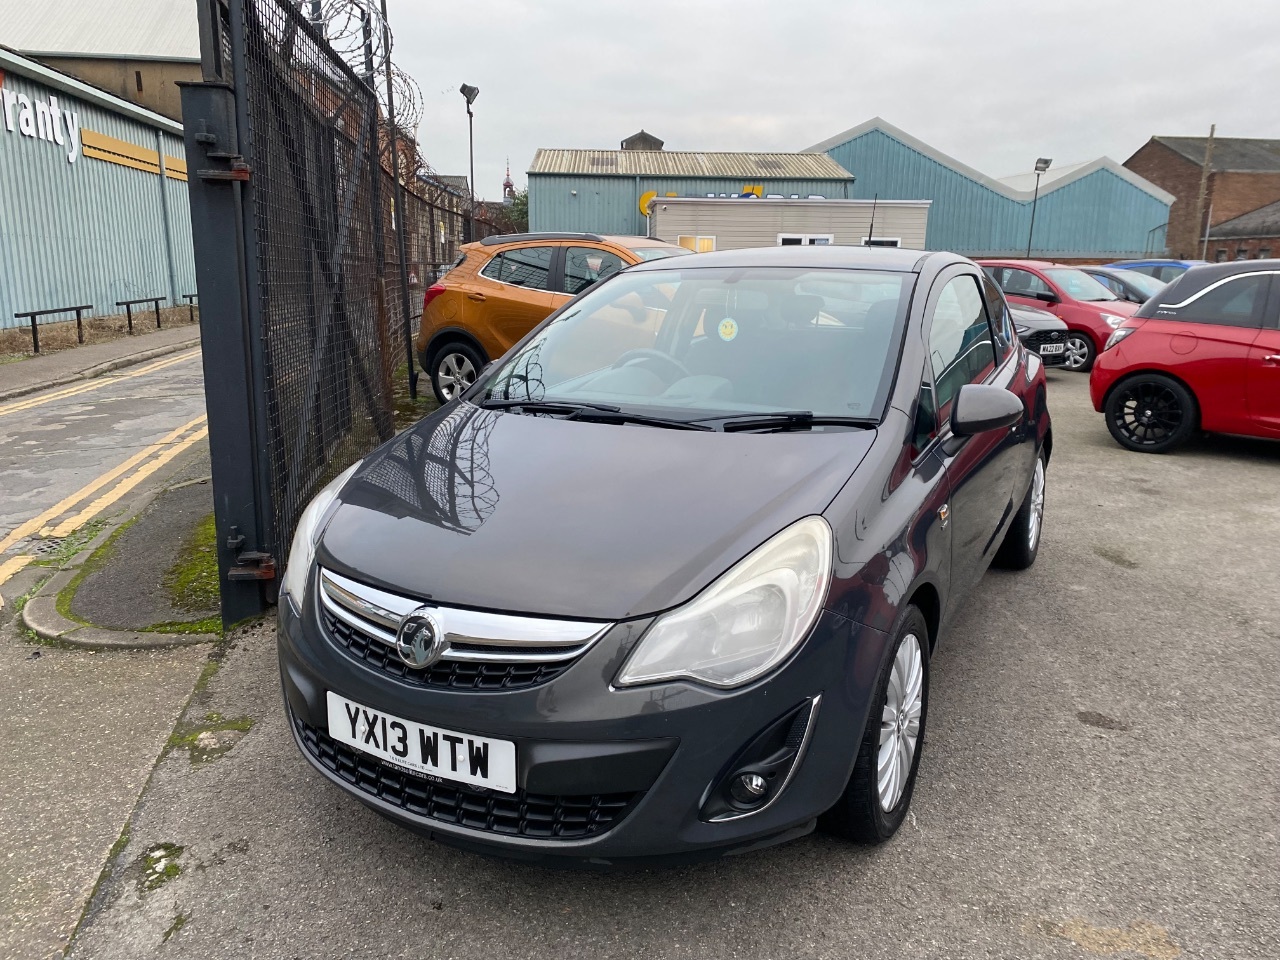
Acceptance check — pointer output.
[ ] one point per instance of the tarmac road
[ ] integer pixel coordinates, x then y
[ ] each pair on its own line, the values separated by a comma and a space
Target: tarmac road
1101, 778
71, 454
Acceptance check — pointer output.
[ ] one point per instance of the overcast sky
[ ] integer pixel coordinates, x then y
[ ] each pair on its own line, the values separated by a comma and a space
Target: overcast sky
993, 83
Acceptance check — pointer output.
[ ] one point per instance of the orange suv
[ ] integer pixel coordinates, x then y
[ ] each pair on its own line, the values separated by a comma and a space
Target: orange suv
502, 287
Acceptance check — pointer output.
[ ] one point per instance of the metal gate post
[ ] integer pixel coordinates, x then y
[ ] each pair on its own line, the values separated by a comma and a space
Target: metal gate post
233, 394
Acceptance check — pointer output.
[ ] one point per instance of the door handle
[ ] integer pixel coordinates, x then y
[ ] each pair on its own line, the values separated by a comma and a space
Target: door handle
1272, 358
478, 297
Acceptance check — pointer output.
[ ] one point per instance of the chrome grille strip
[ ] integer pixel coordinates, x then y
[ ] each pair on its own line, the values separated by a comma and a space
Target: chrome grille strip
513, 639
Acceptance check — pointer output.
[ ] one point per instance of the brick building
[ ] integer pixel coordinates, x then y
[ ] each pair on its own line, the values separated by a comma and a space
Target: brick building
1244, 176
1253, 236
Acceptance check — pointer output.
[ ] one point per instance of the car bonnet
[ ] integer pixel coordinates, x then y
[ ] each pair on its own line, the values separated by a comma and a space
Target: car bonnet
530, 514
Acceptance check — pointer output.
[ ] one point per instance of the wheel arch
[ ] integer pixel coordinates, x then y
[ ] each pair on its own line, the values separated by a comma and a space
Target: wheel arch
449, 335
928, 600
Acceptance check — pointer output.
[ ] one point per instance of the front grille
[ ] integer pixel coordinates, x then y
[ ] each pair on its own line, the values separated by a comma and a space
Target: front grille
459, 674
1044, 336
519, 814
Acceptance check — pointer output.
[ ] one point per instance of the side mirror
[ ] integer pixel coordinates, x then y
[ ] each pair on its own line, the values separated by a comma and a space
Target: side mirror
1045, 296
980, 407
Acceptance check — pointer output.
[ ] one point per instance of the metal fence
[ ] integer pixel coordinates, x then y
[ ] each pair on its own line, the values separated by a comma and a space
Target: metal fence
297, 225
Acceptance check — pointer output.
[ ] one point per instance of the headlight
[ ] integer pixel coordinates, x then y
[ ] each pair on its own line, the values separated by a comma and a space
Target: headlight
1117, 336
1112, 320
303, 549
746, 622
1020, 330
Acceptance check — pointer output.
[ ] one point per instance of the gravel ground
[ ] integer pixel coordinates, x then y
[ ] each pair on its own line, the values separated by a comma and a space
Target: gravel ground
1100, 779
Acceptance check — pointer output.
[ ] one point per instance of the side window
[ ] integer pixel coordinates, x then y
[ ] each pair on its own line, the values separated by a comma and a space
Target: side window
583, 266
1023, 283
1001, 321
1236, 303
522, 267
960, 344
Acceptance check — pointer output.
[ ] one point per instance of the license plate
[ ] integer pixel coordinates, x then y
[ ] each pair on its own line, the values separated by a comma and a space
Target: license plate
1048, 348
426, 751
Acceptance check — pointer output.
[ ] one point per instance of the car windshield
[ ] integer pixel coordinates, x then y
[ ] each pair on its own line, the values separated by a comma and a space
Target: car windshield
1147, 286
658, 253
1078, 285
717, 342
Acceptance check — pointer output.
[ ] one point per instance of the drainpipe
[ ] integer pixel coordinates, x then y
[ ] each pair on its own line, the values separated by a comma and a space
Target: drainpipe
168, 221
635, 204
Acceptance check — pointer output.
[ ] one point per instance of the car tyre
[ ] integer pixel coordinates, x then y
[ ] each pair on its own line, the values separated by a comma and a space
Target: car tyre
1022, 541
1150, 413
1079, 353
876, 799
454, 366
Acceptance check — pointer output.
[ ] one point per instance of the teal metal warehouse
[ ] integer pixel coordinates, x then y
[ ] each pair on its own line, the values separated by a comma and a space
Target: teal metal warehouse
95, 205
602, 190
1097, 210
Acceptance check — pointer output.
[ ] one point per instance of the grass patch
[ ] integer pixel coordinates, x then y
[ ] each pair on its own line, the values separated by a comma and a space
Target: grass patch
179, 922
159, 866
408, 411
192, 581
211, 739
71, 544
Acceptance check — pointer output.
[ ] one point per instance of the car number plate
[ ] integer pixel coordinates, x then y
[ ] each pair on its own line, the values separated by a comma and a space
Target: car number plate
426, 751
1047, 348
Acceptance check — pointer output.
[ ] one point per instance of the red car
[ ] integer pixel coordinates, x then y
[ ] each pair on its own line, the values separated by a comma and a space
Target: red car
1203, 354
1089, 309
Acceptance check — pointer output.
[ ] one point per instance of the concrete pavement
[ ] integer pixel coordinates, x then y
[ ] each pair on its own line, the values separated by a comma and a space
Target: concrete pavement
1100, 779
48, 370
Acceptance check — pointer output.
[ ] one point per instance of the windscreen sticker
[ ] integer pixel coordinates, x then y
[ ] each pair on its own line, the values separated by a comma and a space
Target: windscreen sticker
728, 329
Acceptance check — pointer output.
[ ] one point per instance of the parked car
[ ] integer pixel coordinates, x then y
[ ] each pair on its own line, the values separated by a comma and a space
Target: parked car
1042, 333
502, 287
1089, 309
1164, 270
1131, 285
623, 601
1202, 355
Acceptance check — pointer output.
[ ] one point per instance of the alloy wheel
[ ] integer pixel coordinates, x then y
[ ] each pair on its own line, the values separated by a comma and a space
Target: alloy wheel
1147, 413
900, 722
1076, 352
1037, 505
454, 373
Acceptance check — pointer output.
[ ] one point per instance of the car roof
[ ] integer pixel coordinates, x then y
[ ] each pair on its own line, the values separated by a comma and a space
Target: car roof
1206, 273
835, 257
1035, 264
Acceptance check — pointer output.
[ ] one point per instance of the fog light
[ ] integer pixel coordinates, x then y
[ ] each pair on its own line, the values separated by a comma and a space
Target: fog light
749, 788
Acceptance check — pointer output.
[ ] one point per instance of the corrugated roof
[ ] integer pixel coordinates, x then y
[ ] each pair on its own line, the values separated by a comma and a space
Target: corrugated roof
1263, 222
1234, 154
144, 29
681, 163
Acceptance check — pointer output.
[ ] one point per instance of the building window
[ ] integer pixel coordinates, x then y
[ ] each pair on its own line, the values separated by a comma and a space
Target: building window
697, 244
882, 241
806, 239
1221, 255
137, 79
1242, 253
1264, 253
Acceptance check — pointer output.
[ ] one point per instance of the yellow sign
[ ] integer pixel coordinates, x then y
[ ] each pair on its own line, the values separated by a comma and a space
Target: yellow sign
646, 198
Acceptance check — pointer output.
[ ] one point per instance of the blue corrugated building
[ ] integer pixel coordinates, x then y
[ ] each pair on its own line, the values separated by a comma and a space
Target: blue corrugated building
604, 191
94, 204
1095, 210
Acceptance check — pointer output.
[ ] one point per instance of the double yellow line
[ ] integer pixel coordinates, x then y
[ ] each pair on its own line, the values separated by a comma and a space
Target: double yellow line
28, 403
125, 477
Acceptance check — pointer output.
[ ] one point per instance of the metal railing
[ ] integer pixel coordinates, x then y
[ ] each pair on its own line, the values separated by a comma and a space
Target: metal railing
35, 328
130, 304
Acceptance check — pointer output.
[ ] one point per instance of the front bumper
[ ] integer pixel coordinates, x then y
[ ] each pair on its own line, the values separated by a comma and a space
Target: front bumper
643, 759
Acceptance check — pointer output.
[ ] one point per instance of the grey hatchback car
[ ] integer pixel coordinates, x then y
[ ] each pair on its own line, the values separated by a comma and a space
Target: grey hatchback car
665, 581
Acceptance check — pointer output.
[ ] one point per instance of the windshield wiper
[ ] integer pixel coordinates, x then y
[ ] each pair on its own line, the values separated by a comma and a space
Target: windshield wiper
590, 412
546, 406
789, 420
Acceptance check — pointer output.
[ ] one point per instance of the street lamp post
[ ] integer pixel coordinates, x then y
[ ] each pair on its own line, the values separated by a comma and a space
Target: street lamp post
1041, 166
470, 93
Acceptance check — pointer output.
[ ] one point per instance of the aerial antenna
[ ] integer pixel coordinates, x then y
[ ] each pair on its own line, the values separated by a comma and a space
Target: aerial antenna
871, 230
